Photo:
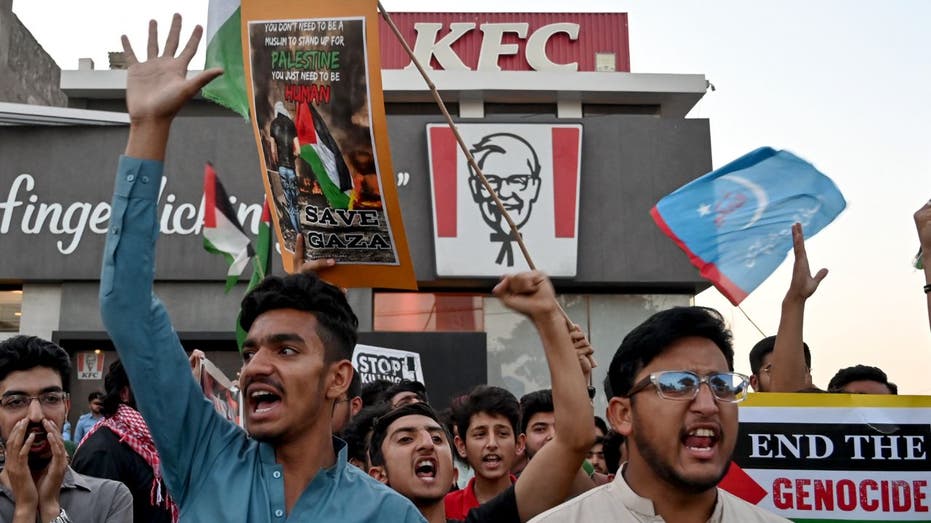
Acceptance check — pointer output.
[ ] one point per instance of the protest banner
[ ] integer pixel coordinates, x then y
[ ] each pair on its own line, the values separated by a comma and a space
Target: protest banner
223, 393
834, 457
380, 363
314, 84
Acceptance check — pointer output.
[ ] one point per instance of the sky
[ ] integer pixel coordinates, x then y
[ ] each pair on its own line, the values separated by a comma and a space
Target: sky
844, 84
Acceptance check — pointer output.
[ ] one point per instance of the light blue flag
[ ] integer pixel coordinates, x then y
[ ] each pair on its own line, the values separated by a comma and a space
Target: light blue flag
735, 223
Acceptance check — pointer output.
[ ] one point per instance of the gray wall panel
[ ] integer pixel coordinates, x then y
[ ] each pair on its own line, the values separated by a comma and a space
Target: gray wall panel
628, 163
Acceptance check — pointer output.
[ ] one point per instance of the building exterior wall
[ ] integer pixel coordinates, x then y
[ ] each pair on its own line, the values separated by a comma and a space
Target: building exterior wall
54, 208
27, 73
627, 269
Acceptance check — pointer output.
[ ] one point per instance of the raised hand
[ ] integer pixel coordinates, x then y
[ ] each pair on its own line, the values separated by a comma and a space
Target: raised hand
157, 88
530, 293
49, 483
803, 284
923, 224
314, 266
196, 360
17, 470
584, 350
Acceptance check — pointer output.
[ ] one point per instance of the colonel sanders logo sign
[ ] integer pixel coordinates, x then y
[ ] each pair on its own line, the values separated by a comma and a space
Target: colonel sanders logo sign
534, 169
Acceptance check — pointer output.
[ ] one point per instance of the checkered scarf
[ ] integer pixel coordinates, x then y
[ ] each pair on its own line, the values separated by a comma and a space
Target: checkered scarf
129, 426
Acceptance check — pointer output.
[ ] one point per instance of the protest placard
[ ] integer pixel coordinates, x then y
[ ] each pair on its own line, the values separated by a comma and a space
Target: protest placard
313, 77
380, 363
834, 457
222, 393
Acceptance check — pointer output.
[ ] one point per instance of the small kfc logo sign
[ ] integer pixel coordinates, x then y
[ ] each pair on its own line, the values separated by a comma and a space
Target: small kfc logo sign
90, 365
534, 169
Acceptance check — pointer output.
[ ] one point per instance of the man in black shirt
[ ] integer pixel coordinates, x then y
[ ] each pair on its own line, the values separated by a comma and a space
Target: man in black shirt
120, 448
285, 149
410, 449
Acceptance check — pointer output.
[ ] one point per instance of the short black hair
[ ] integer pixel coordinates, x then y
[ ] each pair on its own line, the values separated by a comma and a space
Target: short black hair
611, 446
490, 400
93, 396
372, 391
601, 425
358, 432
355, 385
764, 347
405, 386
380, 428
534, 403
448, 419
860, 372
22, 353
337, 325
649, 339
113, 384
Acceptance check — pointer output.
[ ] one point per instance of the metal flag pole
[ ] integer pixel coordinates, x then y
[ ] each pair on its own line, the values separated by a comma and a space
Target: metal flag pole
465, 150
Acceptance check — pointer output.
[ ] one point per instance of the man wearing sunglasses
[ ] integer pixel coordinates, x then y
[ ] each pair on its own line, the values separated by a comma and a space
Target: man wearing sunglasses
673, 394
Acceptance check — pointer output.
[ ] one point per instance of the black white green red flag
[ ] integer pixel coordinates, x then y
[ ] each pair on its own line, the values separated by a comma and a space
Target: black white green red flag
261, 262
223, 234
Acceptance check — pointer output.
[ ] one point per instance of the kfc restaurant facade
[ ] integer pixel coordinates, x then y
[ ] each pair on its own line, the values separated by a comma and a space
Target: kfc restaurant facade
578, 148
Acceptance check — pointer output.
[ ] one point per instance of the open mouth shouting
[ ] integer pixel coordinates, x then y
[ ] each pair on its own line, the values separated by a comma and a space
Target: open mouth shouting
492, 462
263, 401
425, 468
701, 440
40, 442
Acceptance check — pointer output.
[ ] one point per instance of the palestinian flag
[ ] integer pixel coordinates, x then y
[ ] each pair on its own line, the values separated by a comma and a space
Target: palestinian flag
224, 49
320, 151
261, 262
223, 233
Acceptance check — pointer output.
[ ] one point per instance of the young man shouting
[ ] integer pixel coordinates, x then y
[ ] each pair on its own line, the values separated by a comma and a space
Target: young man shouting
411, 452
296, 365
673, 393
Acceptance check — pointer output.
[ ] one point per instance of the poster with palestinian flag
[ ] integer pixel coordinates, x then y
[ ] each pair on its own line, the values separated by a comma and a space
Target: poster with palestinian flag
834, 457
314, 85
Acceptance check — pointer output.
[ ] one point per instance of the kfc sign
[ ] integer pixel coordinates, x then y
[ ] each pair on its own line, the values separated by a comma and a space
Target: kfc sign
508, 41
534, 169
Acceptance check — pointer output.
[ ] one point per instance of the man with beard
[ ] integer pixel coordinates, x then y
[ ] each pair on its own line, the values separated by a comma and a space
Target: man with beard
301, 332
120, 448
90, 418
36, 483
411, 450
681, 434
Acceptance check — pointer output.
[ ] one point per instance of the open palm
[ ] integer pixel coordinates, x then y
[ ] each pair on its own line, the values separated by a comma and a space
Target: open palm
157, 88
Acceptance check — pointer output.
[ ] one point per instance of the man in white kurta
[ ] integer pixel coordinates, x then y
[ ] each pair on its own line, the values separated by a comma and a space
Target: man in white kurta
674, 395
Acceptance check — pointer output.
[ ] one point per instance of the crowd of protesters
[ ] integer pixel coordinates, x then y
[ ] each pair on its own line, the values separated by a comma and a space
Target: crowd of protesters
319, 445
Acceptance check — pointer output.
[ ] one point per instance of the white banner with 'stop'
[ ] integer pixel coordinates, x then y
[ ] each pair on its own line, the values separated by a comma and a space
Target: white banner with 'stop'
380, 363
